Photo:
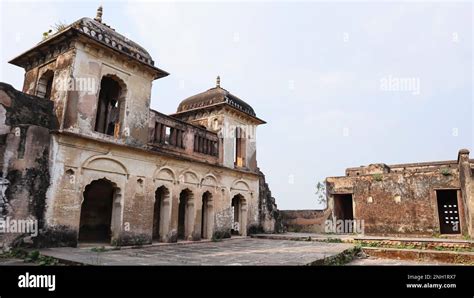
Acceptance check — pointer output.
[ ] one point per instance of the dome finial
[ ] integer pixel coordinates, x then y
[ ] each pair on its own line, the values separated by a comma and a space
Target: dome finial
218, 82
98, 17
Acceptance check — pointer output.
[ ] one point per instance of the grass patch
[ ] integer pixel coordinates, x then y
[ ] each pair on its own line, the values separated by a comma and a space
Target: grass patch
377, 177
33, 256
422, 246
99, 249
340, 259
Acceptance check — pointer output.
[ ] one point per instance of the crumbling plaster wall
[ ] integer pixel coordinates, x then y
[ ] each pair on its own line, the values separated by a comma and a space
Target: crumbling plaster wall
224, 120
88, 160
61, 65
396, 203
230, 121
92, 63
270, 218
25, 122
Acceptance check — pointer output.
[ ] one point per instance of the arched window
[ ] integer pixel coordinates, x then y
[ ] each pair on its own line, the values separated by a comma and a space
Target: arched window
240, 147
109, 106
45, 85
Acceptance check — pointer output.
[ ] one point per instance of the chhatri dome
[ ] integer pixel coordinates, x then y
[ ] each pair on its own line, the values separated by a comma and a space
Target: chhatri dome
94, 29
213, 97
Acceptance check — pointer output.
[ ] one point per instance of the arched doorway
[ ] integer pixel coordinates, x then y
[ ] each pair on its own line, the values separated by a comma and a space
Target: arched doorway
239, 222
45, 85
110, 106
96, 212
206, 216
161, 213
185, 214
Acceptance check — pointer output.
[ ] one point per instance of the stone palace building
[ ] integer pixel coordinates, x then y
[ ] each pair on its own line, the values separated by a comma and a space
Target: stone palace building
82, 152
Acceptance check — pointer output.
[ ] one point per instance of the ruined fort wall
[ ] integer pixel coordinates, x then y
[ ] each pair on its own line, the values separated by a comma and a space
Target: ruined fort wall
24, 149
402, 202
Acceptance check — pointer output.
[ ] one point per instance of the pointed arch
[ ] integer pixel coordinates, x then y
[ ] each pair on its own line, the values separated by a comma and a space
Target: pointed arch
186, 214
44, 87
100, 211
239, 214
161, 214
110, 110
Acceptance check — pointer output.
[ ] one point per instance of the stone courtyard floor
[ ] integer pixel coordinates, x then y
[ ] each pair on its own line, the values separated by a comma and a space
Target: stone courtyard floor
241, 251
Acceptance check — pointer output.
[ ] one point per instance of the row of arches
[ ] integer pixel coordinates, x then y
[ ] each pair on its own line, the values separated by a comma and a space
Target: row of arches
164, 173
191, 217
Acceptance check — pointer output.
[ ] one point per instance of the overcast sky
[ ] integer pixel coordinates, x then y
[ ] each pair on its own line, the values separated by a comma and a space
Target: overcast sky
322, 74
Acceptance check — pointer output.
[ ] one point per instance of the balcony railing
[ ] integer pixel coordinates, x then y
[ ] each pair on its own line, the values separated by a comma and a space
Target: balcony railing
171, 134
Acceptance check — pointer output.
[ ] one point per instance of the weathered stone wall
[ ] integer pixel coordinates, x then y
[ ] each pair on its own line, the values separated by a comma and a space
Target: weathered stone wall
91, 63
88, 160
224, 121
270, 218
25, 122
466, 176
400, 199
305, 221
61, 66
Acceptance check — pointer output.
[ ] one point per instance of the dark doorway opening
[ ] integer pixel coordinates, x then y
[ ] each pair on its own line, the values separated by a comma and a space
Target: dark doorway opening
96, 212
108, 107
343, 210
236, 206
448, 211
184, 197
160, 195
343, 207
45, 85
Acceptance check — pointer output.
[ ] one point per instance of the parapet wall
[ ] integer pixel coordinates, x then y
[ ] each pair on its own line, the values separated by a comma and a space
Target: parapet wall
403, 199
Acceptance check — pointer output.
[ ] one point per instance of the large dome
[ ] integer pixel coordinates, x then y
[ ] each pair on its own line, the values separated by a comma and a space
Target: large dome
215, 96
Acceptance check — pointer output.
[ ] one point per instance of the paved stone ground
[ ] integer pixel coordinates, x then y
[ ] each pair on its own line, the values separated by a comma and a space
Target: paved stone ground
349, 237
243, 251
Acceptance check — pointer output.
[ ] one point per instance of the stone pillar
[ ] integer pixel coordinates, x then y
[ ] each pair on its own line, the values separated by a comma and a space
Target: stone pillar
163, 133
467, 189
116, 224
196, 234
189, 222
165, 218
173, 232
210, 219
243, 218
